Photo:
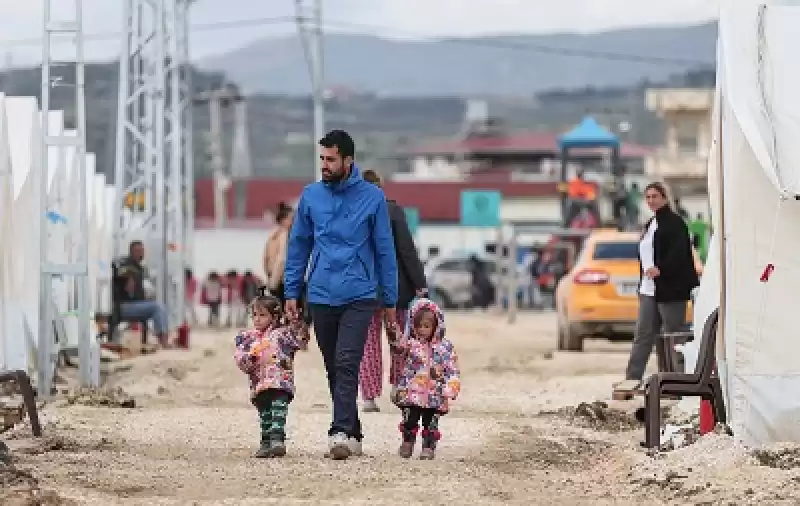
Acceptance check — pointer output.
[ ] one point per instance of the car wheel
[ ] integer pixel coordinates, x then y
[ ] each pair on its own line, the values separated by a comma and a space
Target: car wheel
569, 338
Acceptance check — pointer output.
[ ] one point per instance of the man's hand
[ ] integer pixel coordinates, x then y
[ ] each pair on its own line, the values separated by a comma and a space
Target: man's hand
291, 310
652, 272
390, 318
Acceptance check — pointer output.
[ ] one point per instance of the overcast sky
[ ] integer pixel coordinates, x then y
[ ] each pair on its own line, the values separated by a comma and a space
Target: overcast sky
21, 19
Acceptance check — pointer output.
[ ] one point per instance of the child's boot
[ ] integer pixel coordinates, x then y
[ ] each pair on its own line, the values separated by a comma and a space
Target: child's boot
409, 440
429, 439
277, 446
264, 451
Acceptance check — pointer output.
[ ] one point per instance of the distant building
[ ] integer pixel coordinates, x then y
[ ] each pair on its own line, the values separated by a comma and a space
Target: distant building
507, 156
681, 160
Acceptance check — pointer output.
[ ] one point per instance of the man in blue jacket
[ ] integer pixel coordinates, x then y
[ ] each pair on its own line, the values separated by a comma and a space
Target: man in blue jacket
342, 235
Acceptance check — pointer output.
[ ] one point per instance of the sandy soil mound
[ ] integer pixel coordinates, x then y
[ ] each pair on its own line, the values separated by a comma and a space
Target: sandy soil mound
110, 397
598, 416
781, 457
21, 488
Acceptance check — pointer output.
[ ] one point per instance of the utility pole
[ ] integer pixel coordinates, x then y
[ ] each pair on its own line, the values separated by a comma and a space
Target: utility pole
241, 159
312, 43
78, 267
188, 207
318, 84
218, 100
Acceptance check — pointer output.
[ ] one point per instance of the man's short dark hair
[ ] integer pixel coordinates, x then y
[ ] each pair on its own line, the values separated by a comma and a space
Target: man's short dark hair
341, 140
135, 243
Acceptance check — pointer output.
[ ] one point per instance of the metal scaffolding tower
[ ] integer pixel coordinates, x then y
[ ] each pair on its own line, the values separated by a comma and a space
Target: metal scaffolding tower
64, 73
153, 150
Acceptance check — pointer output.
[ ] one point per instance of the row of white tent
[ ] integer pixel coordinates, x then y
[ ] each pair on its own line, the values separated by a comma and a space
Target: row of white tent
21, 210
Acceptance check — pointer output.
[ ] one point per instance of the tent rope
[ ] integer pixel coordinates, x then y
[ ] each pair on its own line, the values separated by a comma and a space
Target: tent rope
766, 274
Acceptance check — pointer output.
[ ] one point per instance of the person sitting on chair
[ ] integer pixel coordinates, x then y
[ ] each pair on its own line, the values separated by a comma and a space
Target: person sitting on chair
134, 304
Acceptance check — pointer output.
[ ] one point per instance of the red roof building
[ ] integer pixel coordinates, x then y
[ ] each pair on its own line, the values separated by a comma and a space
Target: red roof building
437, 201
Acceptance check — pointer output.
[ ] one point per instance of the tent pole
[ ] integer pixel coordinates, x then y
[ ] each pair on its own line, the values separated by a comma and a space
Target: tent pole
722, 235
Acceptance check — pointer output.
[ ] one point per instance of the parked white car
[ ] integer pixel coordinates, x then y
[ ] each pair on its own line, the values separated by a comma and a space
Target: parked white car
450, 281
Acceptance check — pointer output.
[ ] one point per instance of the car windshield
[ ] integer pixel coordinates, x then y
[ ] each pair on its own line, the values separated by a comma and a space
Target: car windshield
616, 251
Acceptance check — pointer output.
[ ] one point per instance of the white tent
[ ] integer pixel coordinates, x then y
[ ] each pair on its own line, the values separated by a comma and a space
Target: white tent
21, 173
13, 342
24, 148
754, 180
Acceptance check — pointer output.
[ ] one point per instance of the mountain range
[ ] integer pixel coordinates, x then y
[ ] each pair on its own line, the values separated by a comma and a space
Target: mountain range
494, 65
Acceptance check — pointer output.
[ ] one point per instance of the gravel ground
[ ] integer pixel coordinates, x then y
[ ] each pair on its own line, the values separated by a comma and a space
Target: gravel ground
518, 435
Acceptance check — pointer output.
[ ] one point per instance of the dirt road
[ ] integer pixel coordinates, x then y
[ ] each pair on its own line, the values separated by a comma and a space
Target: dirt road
190, 438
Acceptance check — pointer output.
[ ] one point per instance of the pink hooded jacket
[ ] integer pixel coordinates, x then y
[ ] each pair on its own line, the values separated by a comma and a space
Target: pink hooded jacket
267, 356
430, 377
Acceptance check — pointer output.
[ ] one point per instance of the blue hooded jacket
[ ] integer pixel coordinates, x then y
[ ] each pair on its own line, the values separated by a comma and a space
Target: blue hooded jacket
344, 229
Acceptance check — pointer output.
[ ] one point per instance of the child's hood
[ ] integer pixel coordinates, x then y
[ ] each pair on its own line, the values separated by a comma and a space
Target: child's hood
426, 304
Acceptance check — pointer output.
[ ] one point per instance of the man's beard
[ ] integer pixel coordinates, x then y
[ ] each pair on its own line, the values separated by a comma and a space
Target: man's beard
337, 177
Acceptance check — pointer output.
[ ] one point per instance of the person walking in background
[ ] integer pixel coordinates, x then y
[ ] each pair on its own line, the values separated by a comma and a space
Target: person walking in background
249, 290
232, 286
190, 302
211, 296
633, 203
275, 251
483, 290
411, 283
667, 278
275, 259
700, 231
342, 226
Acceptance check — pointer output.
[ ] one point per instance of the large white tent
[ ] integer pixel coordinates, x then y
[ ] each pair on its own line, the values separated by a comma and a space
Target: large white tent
754, 180
21, 170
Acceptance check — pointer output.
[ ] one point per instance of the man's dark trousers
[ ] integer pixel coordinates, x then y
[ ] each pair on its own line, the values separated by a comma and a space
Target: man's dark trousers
341, 334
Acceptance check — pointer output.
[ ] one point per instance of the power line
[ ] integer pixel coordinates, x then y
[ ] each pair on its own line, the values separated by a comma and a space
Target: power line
377, 30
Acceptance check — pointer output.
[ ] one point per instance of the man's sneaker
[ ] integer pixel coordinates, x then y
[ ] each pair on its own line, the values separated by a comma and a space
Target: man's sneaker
356, 449
339, 447
370, 406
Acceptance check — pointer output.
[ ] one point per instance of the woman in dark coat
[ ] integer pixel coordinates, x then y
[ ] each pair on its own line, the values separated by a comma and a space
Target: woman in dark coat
667, 277
411, 283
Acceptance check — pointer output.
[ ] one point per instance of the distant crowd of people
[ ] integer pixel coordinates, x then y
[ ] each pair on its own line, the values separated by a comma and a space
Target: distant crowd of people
226, 297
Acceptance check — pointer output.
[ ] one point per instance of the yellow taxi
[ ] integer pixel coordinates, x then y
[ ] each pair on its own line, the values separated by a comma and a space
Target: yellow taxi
599, 296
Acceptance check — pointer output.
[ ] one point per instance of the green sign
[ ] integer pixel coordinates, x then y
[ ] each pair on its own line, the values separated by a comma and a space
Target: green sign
412, 217
480, 208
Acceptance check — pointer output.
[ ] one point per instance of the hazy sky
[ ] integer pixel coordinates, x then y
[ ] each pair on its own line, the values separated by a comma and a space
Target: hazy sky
392, 18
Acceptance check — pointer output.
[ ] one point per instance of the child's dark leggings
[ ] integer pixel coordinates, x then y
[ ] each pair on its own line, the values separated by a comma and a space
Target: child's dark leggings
273, 406
412, 416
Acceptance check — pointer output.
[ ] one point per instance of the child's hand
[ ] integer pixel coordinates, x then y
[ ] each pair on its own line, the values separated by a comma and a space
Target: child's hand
391, 333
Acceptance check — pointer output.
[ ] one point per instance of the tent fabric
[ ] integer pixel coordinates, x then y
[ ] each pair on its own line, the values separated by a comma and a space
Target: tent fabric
21, 245
760, 121
588, 134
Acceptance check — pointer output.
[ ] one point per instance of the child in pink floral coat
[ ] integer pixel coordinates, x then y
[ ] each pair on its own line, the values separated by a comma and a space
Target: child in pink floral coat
429, 379
266, 354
